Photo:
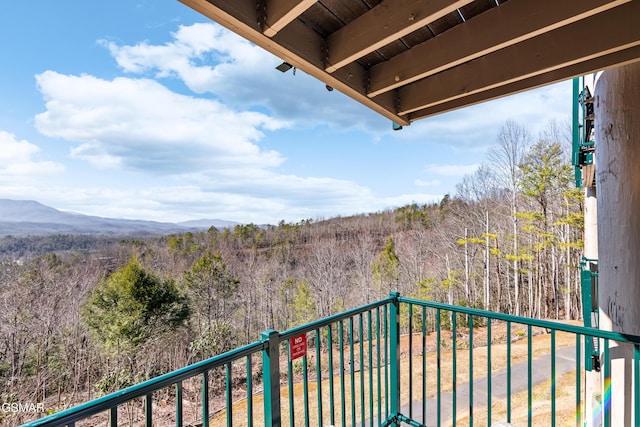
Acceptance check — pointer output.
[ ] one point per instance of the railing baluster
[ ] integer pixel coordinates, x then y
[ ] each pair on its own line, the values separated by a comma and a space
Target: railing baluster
438, 375
362, 408
424, 365
292, 417
342, 382
553, 378
489, 372
370, 339
179, 404
606, 397
229, 391
508, 371
471, 371
249, 391
332, 416
113, 417
453, 373
386, 363
305, 385
353, 373
378, 365
578, 378
636, 383
410, 361
529, 385
205, 399
319, 376
148, 410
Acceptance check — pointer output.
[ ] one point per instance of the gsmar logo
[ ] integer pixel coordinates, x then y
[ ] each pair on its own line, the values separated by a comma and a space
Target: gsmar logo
22, 407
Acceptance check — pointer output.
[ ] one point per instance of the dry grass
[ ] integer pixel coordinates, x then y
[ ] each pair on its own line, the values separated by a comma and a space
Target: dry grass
565, 411
541, 344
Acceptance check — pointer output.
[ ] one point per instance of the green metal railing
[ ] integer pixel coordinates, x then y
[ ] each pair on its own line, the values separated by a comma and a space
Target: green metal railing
396, 361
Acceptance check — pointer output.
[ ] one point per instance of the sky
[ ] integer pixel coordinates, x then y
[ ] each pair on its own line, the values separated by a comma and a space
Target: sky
145, 109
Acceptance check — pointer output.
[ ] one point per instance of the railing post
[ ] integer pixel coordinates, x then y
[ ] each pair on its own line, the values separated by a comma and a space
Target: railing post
394, 355
271, 378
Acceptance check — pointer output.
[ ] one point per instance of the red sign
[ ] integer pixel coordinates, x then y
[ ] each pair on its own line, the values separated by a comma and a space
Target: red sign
297, 347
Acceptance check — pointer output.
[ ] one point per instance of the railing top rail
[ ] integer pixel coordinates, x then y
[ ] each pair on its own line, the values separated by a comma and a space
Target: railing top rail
335, 318
119, 397
580, 330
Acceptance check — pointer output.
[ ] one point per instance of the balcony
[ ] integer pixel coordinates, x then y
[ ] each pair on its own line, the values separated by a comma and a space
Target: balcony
398, 361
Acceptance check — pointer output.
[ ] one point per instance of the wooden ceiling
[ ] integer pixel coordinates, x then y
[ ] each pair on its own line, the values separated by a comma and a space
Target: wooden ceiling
410, 59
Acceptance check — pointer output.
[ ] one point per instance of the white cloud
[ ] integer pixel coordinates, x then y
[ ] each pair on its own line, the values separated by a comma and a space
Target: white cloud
16, 159
140, 124
431, 183
476, 128
211, 59
205, 156
450, 170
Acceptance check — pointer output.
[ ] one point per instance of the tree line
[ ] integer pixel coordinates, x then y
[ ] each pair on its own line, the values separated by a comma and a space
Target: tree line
75, 324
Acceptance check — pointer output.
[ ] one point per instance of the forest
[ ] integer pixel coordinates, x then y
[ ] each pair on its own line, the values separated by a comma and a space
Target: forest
81, 320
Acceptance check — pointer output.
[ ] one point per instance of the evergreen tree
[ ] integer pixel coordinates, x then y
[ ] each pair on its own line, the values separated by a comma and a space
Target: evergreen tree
132, 305
210, 287
545, 178
386, 268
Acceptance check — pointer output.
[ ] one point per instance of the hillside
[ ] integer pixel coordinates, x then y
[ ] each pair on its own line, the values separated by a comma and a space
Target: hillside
28, 217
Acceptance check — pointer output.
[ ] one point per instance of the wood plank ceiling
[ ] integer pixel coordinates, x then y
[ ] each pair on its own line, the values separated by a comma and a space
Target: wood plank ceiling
410, 59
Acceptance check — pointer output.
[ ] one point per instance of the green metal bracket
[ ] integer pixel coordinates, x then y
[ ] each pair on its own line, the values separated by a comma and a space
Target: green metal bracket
583, 148
590, 312
391, 421
404, 419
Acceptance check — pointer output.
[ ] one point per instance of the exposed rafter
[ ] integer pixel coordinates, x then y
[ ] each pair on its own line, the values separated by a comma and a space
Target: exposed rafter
500, 27
281, 13
615, 59
392, 20
565, 46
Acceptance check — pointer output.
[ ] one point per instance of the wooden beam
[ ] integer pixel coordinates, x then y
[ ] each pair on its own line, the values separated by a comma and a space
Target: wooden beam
385, 23
282, 12
611, 60
510, 23
298, 45
599, 35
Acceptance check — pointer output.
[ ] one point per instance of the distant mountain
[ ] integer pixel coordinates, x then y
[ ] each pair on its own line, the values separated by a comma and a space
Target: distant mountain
207, 223
28, 217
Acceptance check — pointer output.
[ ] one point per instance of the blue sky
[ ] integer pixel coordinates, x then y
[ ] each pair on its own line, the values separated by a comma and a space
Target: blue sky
147, 110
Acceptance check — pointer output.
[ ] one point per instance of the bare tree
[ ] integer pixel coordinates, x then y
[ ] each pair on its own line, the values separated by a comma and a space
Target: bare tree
510, 150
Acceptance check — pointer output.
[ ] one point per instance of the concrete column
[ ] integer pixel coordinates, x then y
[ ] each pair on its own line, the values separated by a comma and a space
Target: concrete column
593, 383
617, 112
590, 223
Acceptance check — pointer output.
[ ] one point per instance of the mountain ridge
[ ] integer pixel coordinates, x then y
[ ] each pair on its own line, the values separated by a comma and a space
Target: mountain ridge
29, 217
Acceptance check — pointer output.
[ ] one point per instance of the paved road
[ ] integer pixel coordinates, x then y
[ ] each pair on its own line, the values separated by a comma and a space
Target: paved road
540, 372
